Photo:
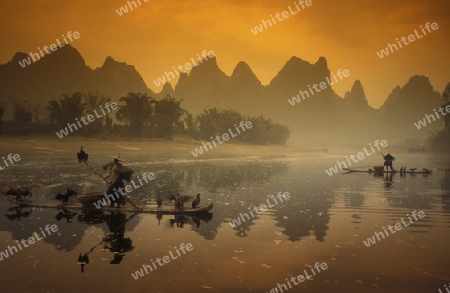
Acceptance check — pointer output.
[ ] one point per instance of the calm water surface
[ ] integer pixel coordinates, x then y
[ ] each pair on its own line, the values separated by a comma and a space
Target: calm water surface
326, 220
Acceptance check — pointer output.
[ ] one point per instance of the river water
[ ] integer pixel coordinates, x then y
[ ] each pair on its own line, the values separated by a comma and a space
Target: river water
325, 220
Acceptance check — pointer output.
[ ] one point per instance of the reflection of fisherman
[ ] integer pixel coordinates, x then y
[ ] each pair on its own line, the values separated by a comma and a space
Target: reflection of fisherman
388, 161
117, 173
114, 241
118, 244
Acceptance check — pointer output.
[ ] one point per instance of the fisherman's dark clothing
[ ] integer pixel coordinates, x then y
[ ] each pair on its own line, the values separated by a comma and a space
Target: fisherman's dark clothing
388, 161
82, 156
118, 174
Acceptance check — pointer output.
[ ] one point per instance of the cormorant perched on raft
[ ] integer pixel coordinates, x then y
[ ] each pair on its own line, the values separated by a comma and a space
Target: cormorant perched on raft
65, 197
177, 199
182, 198
159, 199
196, 201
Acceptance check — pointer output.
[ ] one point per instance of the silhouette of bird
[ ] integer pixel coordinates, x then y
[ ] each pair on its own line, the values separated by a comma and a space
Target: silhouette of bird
83, 260
426, 170
177, 200
159, 200
82, 156
197, 222
196, 202
19, 192
15, 213
182, 198
65, 214
65, 197
413, 169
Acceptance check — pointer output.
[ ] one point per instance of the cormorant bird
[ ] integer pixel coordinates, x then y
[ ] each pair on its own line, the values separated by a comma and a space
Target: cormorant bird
65, 197
159, 200
19, 192
182, 198
68, 215
15, 213
177, 200
196, 202
83, 260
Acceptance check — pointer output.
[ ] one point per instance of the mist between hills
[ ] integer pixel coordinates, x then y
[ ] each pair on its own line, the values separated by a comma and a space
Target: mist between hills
307, 129
183, 68
323, 85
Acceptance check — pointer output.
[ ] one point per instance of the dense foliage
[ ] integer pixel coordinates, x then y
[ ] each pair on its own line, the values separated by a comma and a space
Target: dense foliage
139, 115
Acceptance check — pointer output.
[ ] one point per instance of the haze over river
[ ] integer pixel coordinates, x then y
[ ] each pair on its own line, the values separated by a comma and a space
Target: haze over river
326, 220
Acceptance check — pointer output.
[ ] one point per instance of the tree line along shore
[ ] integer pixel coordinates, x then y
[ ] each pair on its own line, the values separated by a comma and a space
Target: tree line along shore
137, 116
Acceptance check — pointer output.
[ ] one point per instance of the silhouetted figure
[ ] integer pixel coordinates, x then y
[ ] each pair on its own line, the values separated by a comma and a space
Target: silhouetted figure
197, 222
114, 241
177, 201
196, 201
388, 159
117, 174
82, 156
182, 198
19, 192
65, 197
118, 244
159, 201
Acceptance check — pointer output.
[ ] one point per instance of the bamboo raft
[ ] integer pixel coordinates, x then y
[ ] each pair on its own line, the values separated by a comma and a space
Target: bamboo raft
370, 171
165, 210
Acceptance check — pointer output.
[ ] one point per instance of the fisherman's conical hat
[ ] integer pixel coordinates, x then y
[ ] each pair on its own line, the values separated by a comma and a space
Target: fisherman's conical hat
117, 157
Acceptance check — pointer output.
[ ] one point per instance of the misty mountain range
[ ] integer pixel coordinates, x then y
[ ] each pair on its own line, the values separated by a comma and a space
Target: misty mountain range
323, 119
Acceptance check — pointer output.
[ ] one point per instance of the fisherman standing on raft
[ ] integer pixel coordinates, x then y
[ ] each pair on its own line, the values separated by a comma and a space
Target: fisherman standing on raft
117, 173
388, 161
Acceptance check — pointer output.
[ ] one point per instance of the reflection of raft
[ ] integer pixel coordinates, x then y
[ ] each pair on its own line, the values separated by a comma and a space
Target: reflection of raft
89, 199
387, 172
167, 210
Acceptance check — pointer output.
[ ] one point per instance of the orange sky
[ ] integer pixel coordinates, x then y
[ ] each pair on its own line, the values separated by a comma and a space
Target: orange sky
160, 34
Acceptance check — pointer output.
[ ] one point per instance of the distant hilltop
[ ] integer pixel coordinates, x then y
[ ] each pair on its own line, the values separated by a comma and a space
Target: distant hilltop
321, 119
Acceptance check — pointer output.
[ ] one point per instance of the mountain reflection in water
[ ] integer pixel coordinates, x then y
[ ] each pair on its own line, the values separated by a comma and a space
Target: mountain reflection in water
326, 219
